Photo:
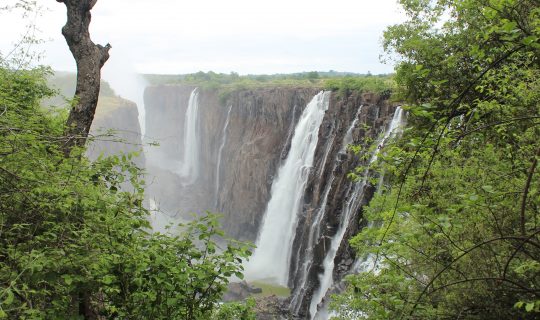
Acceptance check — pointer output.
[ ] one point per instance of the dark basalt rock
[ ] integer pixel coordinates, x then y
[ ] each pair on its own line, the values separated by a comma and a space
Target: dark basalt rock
260, 128
332, 168
272, 308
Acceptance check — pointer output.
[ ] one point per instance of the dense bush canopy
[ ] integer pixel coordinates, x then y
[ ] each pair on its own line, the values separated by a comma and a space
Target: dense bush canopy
75, 244
456, 233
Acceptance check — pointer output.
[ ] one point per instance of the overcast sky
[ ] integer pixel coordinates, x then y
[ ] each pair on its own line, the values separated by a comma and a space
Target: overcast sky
246, 36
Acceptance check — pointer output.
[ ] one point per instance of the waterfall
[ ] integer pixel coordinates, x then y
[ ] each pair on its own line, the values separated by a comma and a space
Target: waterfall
314, 230
290, 132
271, 259
348, 138
396, 127
352, 205
220, 151
190, 161
326, 279
329, 145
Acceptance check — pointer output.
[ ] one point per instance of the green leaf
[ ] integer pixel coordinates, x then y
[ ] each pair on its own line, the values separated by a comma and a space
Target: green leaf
108, 279
10, 297
67, 279
171, 302
488, 189
530, 40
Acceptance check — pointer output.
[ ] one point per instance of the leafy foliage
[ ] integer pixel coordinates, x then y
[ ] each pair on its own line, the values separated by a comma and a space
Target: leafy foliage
224, 79
456, 232
376, 84
74, 244
236, 310
225, 84
330, 80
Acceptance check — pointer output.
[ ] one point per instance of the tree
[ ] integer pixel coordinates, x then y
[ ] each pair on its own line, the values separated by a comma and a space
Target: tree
456, 233
73, 243
90, 58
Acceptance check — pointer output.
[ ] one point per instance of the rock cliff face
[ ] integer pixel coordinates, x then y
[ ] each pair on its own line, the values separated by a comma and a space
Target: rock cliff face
249, 149
244, 137
353, 118
115, 129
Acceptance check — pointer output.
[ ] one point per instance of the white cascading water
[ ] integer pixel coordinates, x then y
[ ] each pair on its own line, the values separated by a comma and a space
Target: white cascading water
289, 132
314, 229
348, 138
366, 262
326, 154
326, 278
190, 161
270, 261
220, 151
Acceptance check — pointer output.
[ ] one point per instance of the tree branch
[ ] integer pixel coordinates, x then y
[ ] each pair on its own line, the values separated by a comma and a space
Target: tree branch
526, 191
90, 58
457, 259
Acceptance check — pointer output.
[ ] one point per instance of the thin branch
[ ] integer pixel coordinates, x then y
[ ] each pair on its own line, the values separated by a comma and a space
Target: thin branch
518, 248
457, 259
526, 191
401, 185
493, 124
523, 288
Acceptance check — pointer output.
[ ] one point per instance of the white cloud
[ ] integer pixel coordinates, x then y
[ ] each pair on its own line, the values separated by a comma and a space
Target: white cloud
168, 36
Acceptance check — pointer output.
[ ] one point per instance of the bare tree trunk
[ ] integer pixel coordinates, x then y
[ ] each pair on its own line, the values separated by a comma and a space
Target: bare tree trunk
89, 58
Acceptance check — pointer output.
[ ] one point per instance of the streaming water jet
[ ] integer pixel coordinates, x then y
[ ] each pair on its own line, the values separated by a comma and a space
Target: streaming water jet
271, 259
220, 151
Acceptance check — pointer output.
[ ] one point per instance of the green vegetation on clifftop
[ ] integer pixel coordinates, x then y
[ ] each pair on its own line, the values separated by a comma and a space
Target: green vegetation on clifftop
323, 80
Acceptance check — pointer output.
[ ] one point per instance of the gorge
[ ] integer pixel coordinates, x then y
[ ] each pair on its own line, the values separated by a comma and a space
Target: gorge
135, 186
274, 162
